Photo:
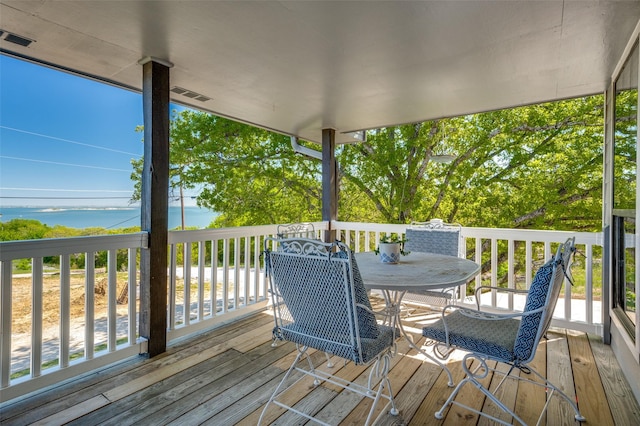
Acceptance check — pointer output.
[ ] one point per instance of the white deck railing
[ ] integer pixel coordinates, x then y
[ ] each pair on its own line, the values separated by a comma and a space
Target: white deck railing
223, 269
577, 309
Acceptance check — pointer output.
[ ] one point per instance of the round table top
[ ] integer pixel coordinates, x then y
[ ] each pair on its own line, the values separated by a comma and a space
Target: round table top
415, 271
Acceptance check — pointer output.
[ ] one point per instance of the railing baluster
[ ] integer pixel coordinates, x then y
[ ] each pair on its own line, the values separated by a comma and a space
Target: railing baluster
36, 315
65, 310
478, 260
132, 296
246, 288
214, 277
225, 275
186, 279
112, 290
494, 271
5, 322
527, 267
510, 261
588, 264
257, 289
172, 286
236, 273
201, 280
89, 303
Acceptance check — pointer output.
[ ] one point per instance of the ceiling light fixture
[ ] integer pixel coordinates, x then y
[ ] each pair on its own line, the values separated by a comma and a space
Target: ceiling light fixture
445, 157
358, 136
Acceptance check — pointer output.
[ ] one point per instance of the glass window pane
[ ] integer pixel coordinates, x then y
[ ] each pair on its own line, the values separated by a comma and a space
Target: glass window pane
624, 187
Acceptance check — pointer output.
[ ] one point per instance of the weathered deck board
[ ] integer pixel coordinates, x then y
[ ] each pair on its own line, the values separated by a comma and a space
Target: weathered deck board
439, 392
623, 406
506, 393
530, 401
225, 377
559, 373
583, 366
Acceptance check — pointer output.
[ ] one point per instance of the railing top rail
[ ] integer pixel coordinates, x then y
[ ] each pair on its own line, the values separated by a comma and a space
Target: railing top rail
497, 233
224, 233
10, 250
595, 238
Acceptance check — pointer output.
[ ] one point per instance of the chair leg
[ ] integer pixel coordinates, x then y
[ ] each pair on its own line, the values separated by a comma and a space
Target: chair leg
440, 413
381, 369
277, 391
329, 363
473, 376
547, 384
383, 390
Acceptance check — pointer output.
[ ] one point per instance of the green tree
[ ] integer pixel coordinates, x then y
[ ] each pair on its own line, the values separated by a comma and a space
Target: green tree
249, 175
532, 167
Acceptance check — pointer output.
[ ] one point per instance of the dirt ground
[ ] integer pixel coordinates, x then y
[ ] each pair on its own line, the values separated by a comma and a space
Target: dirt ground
22, 300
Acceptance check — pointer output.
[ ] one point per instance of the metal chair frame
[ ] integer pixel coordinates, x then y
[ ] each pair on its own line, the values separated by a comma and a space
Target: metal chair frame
524, 343
319, 302
297, 230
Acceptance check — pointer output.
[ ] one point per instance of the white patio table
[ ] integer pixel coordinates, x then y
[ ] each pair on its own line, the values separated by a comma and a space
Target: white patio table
416, 271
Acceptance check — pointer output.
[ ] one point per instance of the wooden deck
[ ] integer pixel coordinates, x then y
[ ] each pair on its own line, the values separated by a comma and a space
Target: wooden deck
224, 377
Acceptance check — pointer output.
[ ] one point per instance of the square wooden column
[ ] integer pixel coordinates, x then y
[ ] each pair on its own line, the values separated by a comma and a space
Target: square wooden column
155, 203
329, 181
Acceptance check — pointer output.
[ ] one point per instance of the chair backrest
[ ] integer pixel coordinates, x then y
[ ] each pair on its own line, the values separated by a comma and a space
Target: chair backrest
543, 294
300, 230
434, 236
319, 298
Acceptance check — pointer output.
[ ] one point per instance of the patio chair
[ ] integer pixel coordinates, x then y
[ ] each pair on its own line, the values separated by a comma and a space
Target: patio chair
320, 302
437, 237
511, 339
290, 233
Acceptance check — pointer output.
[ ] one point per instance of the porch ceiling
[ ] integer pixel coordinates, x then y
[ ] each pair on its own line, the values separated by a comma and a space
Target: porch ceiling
299, 67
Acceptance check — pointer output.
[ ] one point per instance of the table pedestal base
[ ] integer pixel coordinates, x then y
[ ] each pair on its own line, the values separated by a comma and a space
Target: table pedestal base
393, 309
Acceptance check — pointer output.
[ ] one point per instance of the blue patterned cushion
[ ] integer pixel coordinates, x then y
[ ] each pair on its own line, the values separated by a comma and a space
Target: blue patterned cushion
509, 340
367, 323
339, 344
494, 338
536, 298
439, 241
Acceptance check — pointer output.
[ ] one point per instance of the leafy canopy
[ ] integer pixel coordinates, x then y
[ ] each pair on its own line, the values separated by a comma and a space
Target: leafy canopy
531, 167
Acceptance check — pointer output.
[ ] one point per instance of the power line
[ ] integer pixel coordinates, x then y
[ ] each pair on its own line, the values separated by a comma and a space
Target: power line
69, 141
124, 221
63, 190
65, 198
65, 164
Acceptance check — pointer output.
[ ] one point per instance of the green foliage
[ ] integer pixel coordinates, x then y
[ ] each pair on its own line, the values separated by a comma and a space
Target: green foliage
541, 164
31, 229
23, 229
625, 150
249, 175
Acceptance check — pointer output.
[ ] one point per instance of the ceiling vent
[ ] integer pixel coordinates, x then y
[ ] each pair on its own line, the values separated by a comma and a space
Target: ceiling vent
16, 39
189, 94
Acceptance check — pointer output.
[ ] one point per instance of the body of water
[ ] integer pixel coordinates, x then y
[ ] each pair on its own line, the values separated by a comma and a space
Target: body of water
104, 217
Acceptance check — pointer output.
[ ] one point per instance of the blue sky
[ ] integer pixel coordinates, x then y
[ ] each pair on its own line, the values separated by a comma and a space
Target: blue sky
65, 140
